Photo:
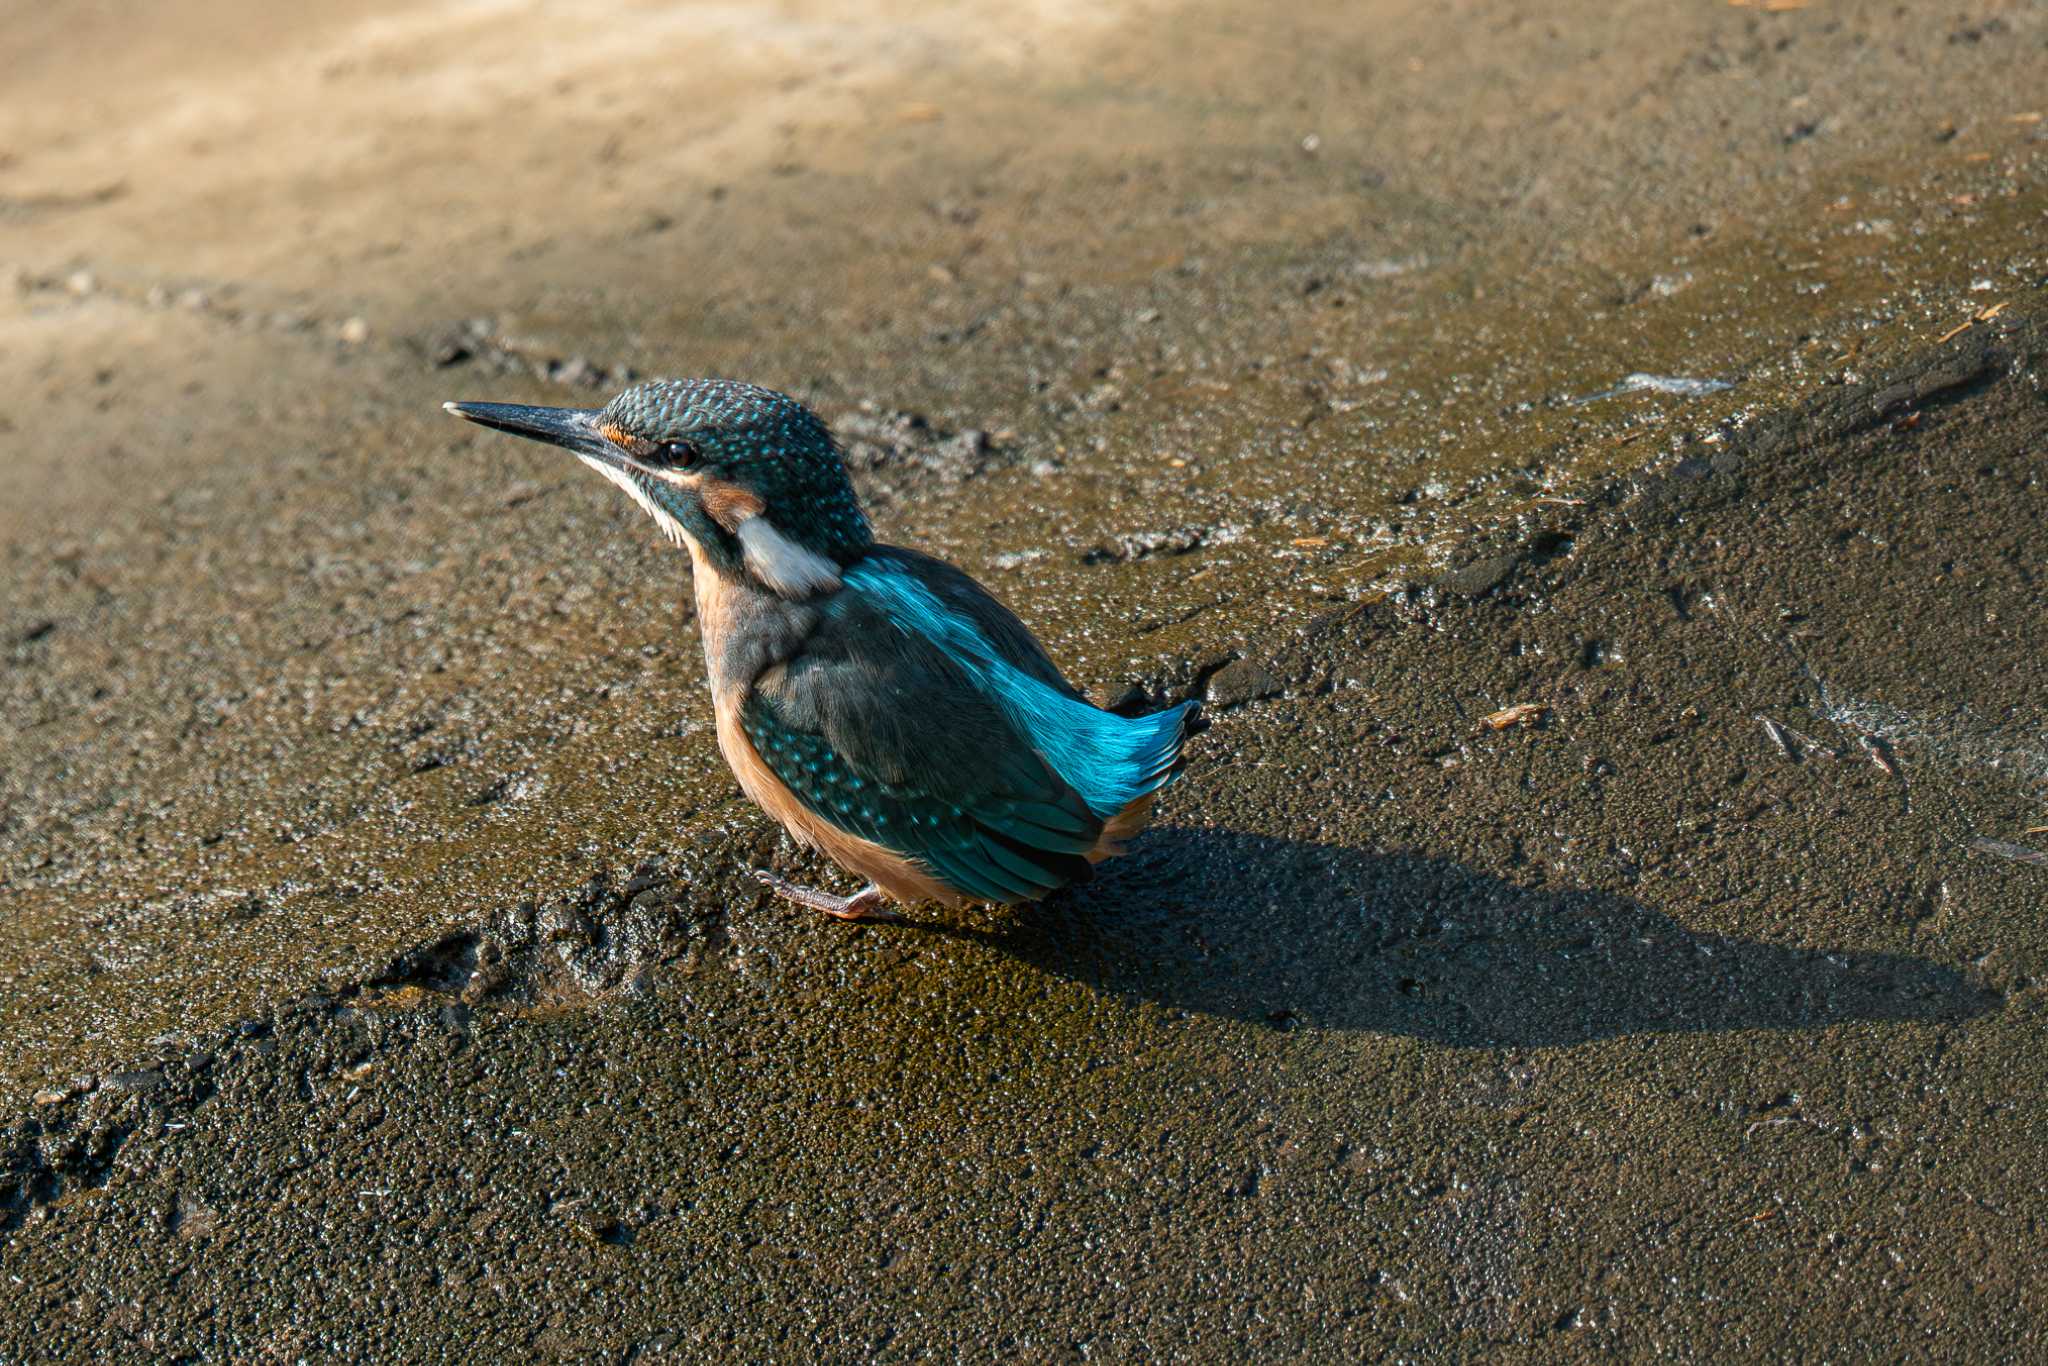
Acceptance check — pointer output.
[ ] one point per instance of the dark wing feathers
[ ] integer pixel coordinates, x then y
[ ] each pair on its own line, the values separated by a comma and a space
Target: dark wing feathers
876, 727
893, 743
986, 843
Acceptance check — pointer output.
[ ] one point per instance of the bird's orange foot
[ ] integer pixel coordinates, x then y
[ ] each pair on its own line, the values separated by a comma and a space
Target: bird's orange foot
866, 904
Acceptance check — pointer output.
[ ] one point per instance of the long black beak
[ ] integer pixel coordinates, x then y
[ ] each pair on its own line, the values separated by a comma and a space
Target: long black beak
572, 428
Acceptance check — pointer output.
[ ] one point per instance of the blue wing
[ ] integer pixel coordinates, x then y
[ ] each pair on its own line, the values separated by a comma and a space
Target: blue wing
923, 716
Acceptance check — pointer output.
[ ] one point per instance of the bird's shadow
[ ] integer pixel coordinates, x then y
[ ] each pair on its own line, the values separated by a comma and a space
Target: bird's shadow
1285, 931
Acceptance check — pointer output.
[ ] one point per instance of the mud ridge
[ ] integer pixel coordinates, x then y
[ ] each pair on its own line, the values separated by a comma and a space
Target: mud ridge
611, 935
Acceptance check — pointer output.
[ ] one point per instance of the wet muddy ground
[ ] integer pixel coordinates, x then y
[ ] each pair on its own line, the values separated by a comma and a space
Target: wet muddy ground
1605, 915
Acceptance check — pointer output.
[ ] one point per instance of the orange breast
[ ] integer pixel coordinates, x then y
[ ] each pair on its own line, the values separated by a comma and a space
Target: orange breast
896, 875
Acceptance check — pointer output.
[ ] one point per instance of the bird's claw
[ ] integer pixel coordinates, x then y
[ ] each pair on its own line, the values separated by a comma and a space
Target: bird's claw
866, 904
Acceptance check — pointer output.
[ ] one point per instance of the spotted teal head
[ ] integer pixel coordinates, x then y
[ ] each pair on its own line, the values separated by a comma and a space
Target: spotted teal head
750, 479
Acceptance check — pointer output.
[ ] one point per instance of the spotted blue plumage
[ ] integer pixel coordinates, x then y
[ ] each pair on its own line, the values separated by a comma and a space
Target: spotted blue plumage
766, 441
987, 844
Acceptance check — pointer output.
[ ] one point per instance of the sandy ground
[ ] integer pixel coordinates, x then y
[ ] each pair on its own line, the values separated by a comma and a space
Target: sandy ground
374, 913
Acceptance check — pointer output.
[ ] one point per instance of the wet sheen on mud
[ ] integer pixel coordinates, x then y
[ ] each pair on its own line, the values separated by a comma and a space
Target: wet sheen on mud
372, 885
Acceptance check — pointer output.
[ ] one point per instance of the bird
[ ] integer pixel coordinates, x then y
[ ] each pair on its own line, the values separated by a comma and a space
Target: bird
879, 703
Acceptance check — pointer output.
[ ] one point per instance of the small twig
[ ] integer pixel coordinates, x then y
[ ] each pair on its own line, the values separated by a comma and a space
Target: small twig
1875, 748
1982, 315
1519, 714
1809, 744
1782, 736
2017, 853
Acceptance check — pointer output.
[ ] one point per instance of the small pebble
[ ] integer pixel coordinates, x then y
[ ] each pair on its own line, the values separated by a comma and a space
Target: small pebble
136, 1081
1241, 682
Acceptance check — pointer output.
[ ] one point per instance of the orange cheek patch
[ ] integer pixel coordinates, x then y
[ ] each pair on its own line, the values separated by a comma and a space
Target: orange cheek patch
729, 504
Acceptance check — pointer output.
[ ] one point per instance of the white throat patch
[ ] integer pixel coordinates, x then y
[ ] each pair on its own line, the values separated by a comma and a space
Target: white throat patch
661, 516
782, 564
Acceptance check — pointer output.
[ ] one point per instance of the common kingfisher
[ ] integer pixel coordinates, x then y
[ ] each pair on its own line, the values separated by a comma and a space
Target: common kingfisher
878, 702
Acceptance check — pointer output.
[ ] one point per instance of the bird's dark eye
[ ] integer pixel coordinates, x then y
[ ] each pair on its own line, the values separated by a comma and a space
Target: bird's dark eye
667, 454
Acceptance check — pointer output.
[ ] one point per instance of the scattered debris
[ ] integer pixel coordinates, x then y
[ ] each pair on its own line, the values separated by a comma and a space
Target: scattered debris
1521, 713
478, 341
2018, 853
1810, 745
1657, 384
1781, 736
1876, 749
1982, 315
883, 445
1138, 545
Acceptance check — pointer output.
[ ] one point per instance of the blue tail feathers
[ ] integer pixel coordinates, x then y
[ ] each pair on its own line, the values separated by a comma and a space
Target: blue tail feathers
1109, 760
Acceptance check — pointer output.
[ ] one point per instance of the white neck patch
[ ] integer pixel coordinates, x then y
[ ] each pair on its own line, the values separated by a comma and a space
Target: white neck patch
782, 564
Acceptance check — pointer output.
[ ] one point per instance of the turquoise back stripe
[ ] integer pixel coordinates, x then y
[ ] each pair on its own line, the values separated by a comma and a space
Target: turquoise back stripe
1109, 760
